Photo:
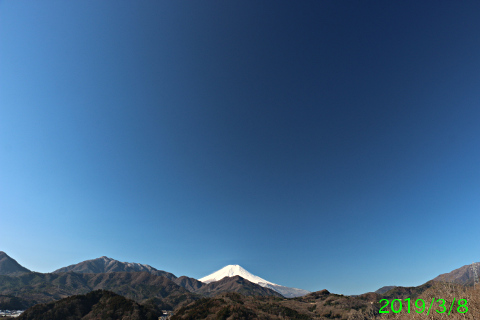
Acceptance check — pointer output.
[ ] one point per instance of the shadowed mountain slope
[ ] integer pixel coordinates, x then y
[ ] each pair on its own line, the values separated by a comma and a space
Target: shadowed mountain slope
139, 286
190, 284
10, 267
98, 304
13, 303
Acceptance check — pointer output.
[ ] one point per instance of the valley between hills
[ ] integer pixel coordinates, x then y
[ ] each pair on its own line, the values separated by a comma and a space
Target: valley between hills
105, 288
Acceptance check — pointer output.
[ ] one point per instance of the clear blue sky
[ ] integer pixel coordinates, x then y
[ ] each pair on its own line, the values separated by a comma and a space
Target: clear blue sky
326, 144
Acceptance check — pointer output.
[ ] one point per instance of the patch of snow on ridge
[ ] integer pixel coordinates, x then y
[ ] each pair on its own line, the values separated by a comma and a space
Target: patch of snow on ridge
109, 262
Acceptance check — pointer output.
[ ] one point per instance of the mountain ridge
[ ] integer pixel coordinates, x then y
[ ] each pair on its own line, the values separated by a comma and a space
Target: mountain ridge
10, 267
139, 286
105, 265
463, 275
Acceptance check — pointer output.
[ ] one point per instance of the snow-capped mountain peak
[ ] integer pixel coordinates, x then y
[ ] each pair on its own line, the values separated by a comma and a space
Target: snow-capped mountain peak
236, 270
231, 271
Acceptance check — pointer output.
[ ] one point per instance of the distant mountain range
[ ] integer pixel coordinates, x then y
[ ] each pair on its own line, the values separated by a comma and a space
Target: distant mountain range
35, 288
205, 288
229, 292
80, 278
106, 265
142, 283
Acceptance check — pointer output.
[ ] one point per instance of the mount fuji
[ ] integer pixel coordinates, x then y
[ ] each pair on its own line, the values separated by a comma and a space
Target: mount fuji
236, 270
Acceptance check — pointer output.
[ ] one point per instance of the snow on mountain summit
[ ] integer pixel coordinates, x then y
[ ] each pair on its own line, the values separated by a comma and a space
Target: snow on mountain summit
236, 270
231, 271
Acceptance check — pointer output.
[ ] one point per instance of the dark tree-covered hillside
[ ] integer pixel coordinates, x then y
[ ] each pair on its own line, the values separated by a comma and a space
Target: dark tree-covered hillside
99, 304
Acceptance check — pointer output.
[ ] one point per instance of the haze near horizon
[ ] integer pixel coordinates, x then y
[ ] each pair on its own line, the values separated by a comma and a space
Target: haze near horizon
321, 145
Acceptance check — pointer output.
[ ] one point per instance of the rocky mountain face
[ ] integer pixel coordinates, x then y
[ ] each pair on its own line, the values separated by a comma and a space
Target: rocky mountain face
10, 267
98, 304
106, 265
463, 275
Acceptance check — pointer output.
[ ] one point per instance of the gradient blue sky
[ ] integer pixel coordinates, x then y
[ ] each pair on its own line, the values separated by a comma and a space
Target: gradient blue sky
321, 144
